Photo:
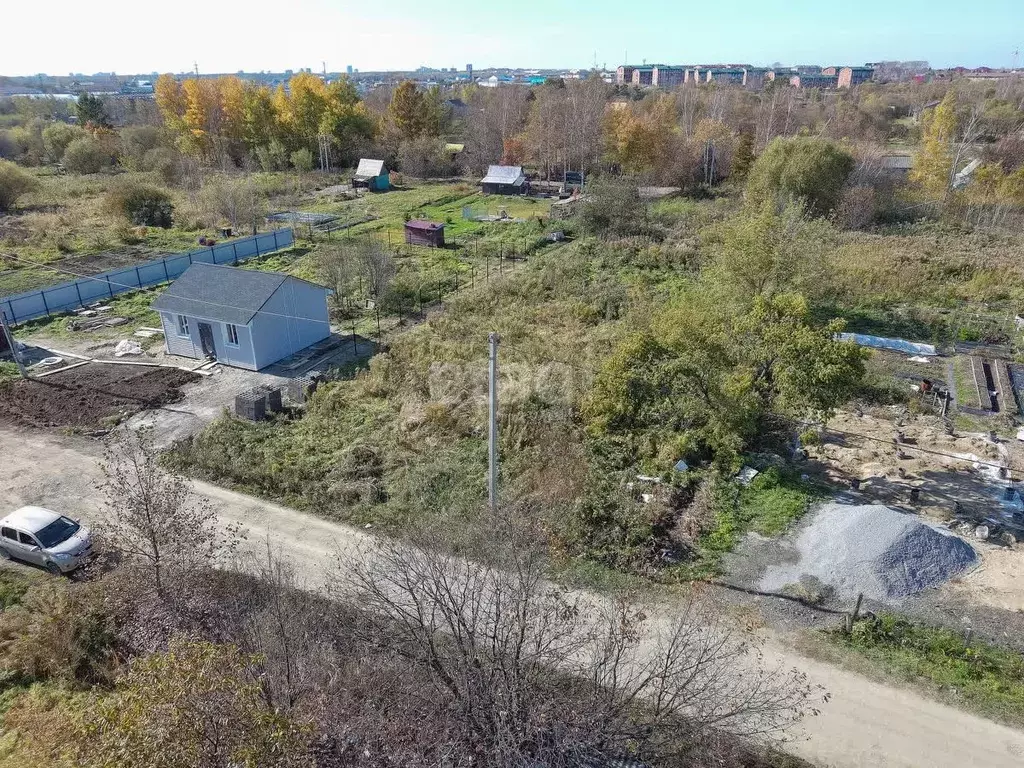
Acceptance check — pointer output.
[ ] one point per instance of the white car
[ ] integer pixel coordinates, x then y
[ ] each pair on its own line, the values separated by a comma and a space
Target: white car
41, 536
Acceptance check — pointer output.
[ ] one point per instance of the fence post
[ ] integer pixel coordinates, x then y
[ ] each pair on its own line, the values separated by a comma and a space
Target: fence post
79, 292
138, 276
190, 258
275, 243
167, 275
234, 251
46, 307
110, 288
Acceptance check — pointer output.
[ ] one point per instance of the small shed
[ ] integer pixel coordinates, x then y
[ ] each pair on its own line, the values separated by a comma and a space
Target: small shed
505, 180
428, 233
372, 175
242, 317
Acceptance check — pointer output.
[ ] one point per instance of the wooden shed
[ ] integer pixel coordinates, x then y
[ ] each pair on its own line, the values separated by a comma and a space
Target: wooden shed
428, 233
505, 180
372, 175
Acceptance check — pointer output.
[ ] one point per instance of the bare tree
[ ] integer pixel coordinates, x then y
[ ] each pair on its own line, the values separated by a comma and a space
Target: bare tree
154, 520
237, 200
534, 674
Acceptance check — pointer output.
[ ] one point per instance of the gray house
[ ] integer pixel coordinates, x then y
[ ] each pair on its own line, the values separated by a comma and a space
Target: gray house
242, 317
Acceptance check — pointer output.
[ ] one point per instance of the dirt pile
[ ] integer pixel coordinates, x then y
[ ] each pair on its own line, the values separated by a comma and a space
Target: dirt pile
885, 554
90, 396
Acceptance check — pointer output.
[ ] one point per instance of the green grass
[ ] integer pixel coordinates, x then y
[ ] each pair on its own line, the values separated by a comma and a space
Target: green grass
134, 306
13, 586
8, 372
981, 677
772, 502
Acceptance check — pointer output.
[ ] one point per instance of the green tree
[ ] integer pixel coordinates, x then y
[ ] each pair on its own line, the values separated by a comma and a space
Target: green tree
86, 155
14, 183
933, 164
57, 136
613, 209
744, 157
410, 112
703, 383
91, 109
197, 705
302, 160
811, 170
763, 252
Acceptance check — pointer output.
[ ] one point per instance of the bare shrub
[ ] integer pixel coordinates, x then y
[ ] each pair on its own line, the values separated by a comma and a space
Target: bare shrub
530, 673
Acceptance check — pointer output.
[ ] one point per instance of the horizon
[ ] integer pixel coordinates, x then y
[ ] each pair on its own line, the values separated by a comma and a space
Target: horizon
229, 36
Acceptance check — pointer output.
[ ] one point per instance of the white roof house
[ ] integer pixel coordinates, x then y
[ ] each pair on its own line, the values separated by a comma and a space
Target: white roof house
504, 179
368, 169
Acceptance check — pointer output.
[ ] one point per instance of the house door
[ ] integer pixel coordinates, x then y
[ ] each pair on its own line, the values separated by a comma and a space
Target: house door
206, 339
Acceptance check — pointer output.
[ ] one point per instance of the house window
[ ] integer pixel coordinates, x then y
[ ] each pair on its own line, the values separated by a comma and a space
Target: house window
182, 325
232, 334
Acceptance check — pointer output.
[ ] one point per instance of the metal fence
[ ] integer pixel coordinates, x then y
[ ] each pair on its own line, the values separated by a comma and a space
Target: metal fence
106, 285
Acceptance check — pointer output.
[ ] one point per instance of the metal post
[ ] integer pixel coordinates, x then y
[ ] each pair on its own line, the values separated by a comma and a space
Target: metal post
377, 311
355, 344
492, 430
11, 343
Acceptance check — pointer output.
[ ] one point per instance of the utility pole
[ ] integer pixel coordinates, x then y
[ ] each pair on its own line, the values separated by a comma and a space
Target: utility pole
492, 430
12, 344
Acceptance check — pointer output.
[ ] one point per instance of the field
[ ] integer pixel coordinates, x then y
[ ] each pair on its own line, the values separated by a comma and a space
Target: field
92, 396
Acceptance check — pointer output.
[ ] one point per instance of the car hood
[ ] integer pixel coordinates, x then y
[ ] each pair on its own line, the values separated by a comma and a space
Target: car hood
80, 541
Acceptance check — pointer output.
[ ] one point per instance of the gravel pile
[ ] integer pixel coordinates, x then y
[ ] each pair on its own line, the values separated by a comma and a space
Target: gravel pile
872, 549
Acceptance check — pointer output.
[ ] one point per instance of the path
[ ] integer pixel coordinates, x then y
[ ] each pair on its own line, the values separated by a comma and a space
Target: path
866, 724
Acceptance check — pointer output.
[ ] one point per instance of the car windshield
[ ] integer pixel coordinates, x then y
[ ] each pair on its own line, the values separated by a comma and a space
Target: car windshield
59, 530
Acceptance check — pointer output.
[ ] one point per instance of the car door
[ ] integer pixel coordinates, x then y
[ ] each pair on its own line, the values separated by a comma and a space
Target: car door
30, 549
9, 541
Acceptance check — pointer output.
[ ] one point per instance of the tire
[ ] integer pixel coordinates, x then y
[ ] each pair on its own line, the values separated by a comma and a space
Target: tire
54, 569
4, 554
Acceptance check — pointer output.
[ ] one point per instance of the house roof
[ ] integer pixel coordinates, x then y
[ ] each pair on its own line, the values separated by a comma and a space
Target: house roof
370, 168
427, 226
216, 292
504, 174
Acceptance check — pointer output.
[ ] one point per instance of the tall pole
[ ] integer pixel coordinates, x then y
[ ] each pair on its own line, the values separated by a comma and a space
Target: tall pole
12, 344
492, 431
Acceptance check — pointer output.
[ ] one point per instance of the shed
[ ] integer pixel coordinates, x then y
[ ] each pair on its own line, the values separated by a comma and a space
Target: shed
428, 233
372, 175
505, 180
242, 317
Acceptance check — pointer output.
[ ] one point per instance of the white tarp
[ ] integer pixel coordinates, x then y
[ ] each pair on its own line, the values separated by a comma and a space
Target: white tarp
896, 345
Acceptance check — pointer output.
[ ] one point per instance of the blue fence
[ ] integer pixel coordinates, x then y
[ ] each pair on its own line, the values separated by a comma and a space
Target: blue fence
106, 285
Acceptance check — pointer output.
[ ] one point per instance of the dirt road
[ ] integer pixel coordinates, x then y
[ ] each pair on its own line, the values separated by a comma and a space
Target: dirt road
865, 725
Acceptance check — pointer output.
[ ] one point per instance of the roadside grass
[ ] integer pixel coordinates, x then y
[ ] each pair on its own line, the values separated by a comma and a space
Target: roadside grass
978, 676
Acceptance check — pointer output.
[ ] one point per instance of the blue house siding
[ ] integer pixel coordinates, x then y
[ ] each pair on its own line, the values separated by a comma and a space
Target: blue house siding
239, 356
292, 319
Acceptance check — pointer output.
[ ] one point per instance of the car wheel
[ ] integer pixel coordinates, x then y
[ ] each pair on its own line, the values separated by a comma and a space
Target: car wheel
54, 569
4, 554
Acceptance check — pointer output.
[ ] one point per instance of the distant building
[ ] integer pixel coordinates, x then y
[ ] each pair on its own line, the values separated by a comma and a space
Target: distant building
734, 76
830, 70
505, 180
624, 74
643, 76
427, 233
814, 81
850, 77
754, 77
667, 77
348, 70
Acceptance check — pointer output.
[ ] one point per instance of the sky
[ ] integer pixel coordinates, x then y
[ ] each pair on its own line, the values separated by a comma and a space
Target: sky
66, 36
